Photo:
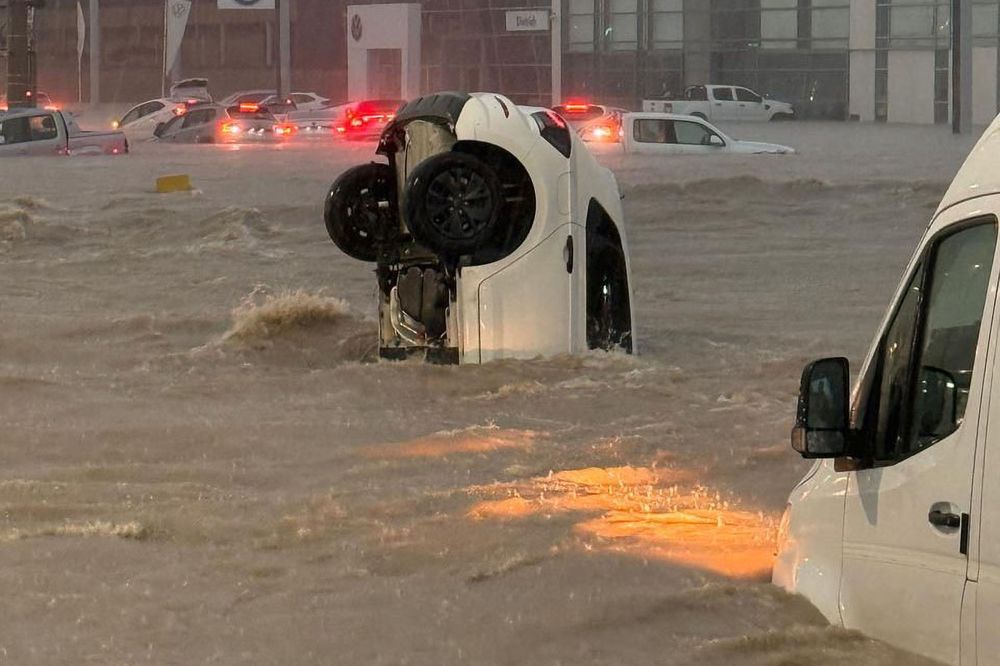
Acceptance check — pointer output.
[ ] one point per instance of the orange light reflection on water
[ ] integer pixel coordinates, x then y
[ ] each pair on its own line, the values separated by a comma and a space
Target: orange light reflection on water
651, 513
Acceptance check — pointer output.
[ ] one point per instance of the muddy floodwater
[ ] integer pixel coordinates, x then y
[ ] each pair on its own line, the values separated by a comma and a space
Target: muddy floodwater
200, 464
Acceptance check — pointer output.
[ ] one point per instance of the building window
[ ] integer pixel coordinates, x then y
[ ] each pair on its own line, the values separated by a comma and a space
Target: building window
916, 24
623, 27
831, 24
666, 23
581, 26
779, 24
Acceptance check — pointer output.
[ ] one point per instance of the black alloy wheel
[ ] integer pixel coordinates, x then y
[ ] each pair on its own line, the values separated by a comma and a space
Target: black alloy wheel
360, 211
453, 204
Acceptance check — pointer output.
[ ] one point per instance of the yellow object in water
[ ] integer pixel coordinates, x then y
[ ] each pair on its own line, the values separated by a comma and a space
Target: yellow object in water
178, 183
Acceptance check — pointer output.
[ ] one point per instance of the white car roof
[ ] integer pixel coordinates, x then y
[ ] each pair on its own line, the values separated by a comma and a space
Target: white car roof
980, 174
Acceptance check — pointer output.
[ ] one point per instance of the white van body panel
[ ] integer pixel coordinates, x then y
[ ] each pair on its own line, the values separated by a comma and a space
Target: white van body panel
809, 562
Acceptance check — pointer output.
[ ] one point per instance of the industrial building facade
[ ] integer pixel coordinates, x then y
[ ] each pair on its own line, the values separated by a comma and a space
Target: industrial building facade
875, 60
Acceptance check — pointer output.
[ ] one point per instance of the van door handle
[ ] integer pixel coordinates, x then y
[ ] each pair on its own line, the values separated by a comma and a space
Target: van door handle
568, 255
942, 519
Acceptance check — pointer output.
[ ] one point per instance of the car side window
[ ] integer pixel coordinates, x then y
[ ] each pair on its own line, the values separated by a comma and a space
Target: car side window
654, 130
172, 125
150, 107
723, 94
299, 98
132, 115
744, 95
43, 128
198, 117
919, 383
692, 134
15, 130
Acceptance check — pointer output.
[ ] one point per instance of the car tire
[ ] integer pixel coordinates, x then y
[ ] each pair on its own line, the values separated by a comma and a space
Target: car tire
361, 210
453, 204
609, 320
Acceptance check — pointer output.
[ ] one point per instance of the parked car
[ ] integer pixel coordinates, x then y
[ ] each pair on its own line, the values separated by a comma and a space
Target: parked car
715, 102
42, 101
323, 119
139, 122
593, 122
308, 101
214, 123
672, 134
44, 132
895, 530
494, 232
244, 96
366, 120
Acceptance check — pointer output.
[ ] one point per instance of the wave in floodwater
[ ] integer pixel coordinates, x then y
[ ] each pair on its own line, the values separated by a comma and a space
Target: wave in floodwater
744, 186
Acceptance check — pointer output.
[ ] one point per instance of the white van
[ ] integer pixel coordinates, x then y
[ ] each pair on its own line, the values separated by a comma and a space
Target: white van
895, 531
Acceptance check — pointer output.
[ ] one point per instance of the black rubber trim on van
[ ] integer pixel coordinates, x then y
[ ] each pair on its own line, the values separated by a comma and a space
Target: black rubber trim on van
443, 107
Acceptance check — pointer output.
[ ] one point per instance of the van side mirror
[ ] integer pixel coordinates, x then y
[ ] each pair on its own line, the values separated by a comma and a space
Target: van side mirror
821, 421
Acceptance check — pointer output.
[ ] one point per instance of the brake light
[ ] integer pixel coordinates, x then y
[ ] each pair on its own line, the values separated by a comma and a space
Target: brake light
249, 107
602, 132
576, 107
231, 128
357, 122
180, 110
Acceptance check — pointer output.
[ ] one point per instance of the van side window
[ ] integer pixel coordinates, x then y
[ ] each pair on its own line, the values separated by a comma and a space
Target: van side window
920, 380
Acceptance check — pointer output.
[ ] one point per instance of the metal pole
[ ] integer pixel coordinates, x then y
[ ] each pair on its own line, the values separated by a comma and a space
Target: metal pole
18, 58
95, 51
556, 31
961, 66
284, 48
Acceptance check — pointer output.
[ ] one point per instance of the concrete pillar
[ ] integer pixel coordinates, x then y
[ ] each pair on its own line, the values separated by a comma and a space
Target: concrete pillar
697, 42
861, 103
556, 32
18, 58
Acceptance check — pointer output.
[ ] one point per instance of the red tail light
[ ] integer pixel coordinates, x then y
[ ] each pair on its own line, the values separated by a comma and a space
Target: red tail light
231, 128
249, 107
576, 107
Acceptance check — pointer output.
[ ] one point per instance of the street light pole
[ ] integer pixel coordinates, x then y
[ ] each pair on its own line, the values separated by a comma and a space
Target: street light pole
284, 48
961, 66
95, 51
555, 31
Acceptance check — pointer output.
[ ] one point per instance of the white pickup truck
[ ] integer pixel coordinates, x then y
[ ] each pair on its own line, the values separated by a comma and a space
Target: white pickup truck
714, 102
48, 132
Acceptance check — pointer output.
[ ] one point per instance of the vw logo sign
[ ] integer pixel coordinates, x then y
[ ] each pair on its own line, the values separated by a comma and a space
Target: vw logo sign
357, 29
178, 9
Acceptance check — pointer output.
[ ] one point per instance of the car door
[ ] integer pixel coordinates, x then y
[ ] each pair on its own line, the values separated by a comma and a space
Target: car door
750, 105
724, 105
917, 412
651, 135
693, 137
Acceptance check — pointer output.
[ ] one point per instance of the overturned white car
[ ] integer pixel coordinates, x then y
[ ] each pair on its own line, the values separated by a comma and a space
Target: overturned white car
494, 232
